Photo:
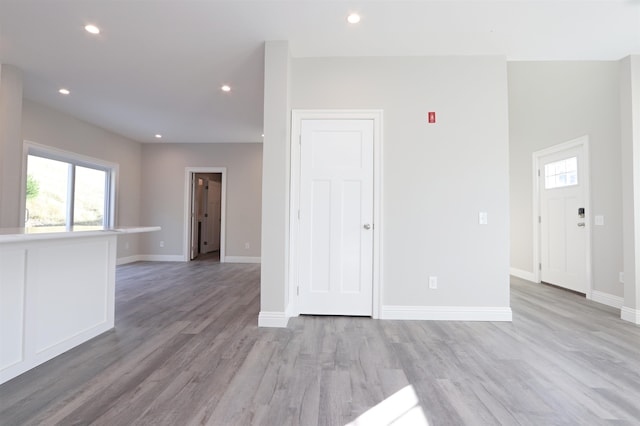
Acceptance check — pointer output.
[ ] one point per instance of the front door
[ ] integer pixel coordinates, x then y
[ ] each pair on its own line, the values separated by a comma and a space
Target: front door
336, 217
563, 219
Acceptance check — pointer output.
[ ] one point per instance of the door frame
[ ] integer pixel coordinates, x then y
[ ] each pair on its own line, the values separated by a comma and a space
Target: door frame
580, 142
297, 115
188, 194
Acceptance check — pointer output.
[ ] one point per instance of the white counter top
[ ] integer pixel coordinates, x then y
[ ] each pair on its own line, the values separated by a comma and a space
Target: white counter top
12, 235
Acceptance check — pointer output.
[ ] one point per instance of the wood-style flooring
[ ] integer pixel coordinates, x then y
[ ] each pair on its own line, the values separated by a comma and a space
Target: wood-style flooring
186, 350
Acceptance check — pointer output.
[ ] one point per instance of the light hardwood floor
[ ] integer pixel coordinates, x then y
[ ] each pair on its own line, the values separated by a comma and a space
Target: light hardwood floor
187, 351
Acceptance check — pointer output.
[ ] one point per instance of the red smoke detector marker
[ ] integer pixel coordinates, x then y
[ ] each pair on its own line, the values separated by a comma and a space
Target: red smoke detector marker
432, 117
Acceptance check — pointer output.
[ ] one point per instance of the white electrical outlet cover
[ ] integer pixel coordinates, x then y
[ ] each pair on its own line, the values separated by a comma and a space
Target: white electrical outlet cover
433, 282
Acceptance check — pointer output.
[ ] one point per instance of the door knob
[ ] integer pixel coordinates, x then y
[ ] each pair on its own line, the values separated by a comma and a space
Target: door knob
367, 226
581, 224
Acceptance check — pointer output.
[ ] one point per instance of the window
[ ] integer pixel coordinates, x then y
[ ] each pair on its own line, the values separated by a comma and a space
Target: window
561, 173
63, 189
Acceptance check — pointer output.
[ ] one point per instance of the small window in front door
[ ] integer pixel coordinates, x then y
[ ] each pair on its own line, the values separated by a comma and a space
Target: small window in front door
561, 173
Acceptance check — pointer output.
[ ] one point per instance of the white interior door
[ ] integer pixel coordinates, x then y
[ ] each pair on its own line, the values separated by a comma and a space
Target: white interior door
563, 242
336, 217
211, 216
193, 215
213, 200
204, 215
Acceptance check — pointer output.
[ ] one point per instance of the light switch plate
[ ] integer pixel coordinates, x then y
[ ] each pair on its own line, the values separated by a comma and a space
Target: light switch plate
599, 220
483, 218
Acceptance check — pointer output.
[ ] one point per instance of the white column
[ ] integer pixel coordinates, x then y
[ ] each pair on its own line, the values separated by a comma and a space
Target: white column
10, 145
276, 152
630, 137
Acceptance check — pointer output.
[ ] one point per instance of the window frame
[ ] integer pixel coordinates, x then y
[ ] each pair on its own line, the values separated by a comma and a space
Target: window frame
74, 159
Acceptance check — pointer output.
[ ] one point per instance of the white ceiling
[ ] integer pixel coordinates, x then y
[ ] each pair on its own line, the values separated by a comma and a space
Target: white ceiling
158, 65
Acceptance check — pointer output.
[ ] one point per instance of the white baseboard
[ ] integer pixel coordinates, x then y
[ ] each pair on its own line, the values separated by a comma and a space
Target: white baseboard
630, 314
272, 319
179, 258
241, 259
607, 299
525, 275
290, 311
161, 258
128, 259
446, 313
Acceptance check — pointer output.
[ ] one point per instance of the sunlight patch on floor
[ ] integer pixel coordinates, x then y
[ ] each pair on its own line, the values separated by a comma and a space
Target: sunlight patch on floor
400, 409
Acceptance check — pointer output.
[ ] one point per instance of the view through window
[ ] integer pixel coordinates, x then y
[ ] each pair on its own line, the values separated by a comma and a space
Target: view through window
64, 192
561, 173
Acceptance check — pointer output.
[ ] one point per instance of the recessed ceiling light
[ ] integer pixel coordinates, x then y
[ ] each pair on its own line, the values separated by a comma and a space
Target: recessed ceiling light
64, 91
92, 29
158, 136
354, 18
226, 88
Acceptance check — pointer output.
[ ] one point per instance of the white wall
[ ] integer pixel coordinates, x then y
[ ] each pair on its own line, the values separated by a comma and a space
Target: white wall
275, 183
630, 142
436, 177
551, 103
50, 127
163, 194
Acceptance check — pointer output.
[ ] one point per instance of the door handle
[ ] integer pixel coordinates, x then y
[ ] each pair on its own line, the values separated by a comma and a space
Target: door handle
581, 224
367, 226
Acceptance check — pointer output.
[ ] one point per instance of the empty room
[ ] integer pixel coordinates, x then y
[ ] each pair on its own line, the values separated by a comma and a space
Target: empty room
309, 212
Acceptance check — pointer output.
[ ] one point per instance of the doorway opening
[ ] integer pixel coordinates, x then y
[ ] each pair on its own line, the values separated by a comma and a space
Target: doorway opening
562, 212
205, 214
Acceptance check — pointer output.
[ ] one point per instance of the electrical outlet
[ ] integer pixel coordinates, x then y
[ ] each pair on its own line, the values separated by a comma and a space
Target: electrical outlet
161, 243
247, 246
621, 277
433, 283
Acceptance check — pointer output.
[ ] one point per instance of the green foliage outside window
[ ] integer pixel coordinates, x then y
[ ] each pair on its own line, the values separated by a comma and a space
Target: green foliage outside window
33, 187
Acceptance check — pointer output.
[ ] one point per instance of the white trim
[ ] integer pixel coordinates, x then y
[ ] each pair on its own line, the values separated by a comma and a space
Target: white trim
160, 258
446, 313
630, 314
583, 142
128, 259
62, 155
23, 184
289, 312
607, 299
297, 115
186, 244
525, 275
243, 259
179, 258
272, 319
